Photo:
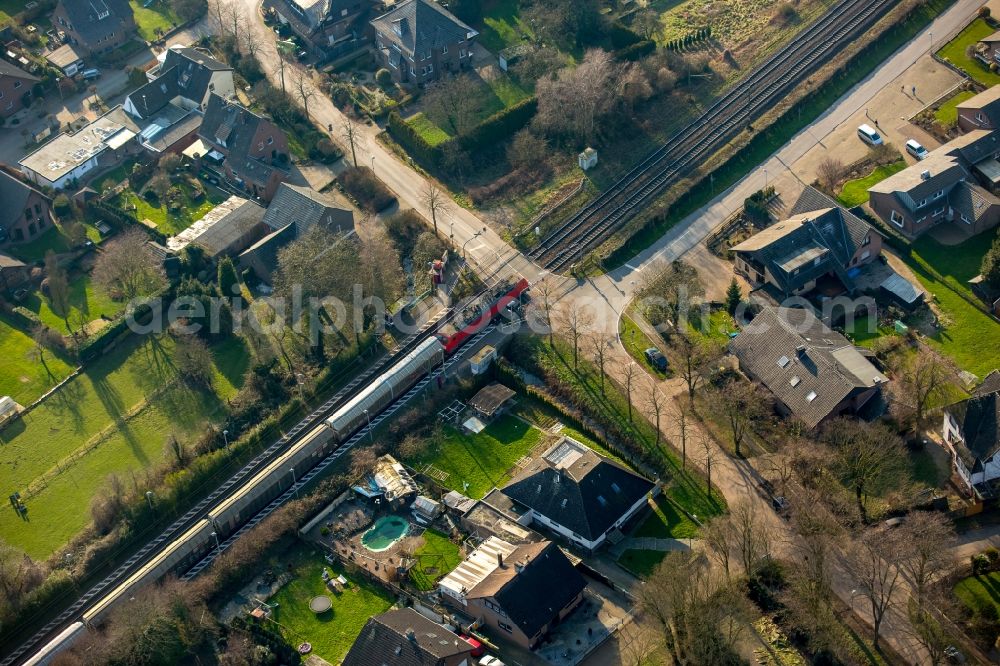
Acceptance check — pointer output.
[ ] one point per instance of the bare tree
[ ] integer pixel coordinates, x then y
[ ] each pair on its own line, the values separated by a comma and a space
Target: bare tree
696, 356
453, 102
921, 378
830, 170
600, 344
708, 446
19, 574
304, 89
667, 296
656, 402
349, 132
127, 268
58, 288
719, 536
543, 305
572, 102
435, 199
742, 405
647, 22
753, 536
873, 559
925, 537
681, 414
193, 361
362, 462
866, 456
576, 321
630, 371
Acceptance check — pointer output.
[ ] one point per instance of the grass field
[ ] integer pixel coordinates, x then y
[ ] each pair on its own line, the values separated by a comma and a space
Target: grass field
502, 25
430, 132
947, 113
636, 342
483, 460
855, 192
113, 418
437, 557
10, 8
23, 377
864, 332
641, 562
83, 297
158, 15
332, 633
954, 52
717, 326
969, 336
979, 591
666, 521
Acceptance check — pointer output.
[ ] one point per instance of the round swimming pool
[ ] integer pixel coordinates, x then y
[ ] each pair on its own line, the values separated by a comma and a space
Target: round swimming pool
385, 532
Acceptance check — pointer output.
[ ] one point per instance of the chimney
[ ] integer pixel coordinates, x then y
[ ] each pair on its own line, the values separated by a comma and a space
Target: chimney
519, 567
925, 174
411, 634
801, 350
500, 560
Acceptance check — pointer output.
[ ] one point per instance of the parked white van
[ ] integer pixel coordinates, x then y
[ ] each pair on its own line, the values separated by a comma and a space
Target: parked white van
914, 148
869, 135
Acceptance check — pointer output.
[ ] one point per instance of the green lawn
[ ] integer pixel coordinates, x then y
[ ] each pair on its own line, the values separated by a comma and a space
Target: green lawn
484, 460
954, 52
83, 297
158, 15
947, 113
924, 468
855, 192
717, 326
167, 221
979, 591
106, 420
332, 633
10, 8
865, 332
502, 25
430, 132
641, 562
665, 522
53, 239
23, 377
636, 342
968, 335
437, 557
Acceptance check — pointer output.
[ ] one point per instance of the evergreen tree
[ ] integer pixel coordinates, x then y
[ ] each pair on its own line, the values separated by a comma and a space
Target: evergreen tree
229, 280
733, 297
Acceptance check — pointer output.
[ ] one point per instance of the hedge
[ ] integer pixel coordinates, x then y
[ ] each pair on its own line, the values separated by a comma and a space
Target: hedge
636, 51
96, 344
412, 142
622, 36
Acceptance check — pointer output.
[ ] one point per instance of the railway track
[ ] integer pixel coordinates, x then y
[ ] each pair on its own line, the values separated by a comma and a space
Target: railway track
234, 484
706, 134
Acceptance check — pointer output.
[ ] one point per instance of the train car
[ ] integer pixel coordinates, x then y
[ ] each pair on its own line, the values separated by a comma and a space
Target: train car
183, 551
63, 641
387, 387
456, 339
272, 481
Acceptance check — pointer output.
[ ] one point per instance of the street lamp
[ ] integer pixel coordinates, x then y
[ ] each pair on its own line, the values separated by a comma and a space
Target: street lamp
225, 437
371, 434
765, 182
149, 498
453, 230
294, 482
474, 236
373, 165
215, 535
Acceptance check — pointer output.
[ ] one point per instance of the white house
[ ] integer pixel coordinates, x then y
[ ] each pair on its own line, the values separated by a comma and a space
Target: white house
576, 493
971, 430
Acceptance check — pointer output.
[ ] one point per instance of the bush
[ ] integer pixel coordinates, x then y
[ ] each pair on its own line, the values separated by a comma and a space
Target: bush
412, 142
383, 77
500, 126
62, 206
636, 51
622, 36
370, 193
980, 564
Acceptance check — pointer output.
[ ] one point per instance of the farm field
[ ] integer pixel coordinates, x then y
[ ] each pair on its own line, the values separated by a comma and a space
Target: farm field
483, 460
24, 378
112, 419
331, 633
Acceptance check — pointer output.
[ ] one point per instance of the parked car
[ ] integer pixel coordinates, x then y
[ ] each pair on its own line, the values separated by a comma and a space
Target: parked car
914, 148
490, 660
868, 134
656, 359
478, 649
91, 74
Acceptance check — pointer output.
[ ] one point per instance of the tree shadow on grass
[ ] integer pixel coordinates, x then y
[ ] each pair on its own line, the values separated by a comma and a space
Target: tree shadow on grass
68, 402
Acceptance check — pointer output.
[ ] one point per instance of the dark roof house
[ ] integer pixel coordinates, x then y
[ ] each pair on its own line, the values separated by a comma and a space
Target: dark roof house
97, 26
971, 429
981, 111
328, 27
26, 210
417, 39
187, 74
813, 372
305, 208
15, 88
791, 256
579, 494
404, 637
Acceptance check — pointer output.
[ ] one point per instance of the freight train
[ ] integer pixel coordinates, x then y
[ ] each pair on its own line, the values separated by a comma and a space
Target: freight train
227, 517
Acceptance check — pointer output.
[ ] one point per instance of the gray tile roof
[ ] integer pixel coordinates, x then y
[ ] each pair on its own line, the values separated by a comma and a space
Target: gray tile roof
305, 208
423, 25
987, 101
536, 582
979, 419
232, 127
262, 256
96, 19
404, 637
990, 383
14, 194
587, 496
975, 146
7, 69
972, 201
910, 186
807, 366
185, 73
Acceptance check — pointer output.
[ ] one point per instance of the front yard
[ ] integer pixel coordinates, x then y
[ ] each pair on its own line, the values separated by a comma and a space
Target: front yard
331, 633
947, 113
855, 192
666, 521
979, 592
955, 52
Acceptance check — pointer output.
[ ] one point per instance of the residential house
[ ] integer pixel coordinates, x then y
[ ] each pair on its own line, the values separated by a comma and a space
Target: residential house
971, 430
417, 40
169, 108
228, 229
404, 637
96, 26
26, 212
67, 159
251, 151
292, 212
941, 189
823, 244
989, 47
67, 59
518, 592
981, 111
15, 89
13, 272
329, 28
813, 372
579, 494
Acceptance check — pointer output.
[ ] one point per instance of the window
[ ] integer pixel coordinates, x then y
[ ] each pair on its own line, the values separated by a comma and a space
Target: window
343, 12
18, 234
939, 194
38, 210
270, 140
412, 73
31, 229
866, 241
923, 202
865, 255
461, 53
811, 396
17, 84
506, 627
896, 218
430, 69
444, 49
939, 211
